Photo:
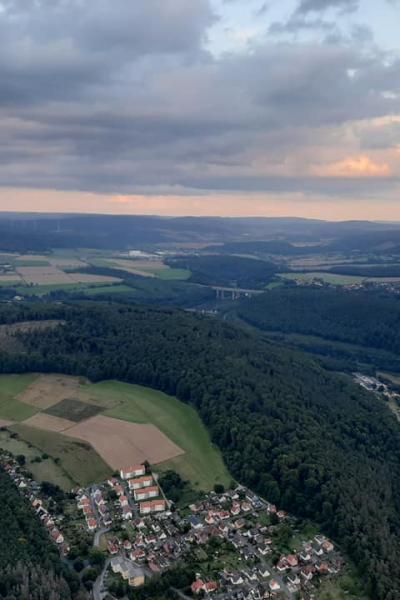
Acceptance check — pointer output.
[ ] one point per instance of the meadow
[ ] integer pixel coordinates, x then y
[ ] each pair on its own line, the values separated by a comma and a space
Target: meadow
78, 460
202, 463
28, 400
10, 387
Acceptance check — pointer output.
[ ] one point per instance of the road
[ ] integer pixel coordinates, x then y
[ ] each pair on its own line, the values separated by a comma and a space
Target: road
99, 583
97, 536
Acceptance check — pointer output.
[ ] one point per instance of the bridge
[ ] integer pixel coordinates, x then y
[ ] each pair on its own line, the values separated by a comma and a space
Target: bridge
224, 293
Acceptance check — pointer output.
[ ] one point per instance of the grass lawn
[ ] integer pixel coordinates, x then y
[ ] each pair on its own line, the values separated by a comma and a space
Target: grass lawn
78, 460
10, 407
47, 470
202, 463
173, 274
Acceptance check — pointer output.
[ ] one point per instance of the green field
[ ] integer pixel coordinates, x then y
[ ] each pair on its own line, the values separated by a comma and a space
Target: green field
327, 277
109, 289
42, 290
10, 407
201, 464
336, 279
31, 263
346, 587
46, 470
78, 460
173, 274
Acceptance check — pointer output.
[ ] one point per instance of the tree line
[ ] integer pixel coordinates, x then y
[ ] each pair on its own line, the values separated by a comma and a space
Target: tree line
308, 440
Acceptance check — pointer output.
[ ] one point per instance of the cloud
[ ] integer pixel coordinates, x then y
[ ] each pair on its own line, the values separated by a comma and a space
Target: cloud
124, 99
345, 6
359, 166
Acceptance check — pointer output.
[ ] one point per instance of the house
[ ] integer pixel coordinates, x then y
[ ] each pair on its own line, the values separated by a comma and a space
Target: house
246, 507
132, 471
146, 493
126, 513
197, 586
307, 573
236, 579
293, 579
119, 490
127, 545
235, 510
138, 554
282, 565
91, 523
123, 500
320, 539
141, 482
112, 547
274, 585
107, 520
195, 522
210, 586
84, 501
328, 546
292, 560
57, 536
263, 571
305, 556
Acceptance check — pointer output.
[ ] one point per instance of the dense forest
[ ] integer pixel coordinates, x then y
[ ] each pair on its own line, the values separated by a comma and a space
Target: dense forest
231, 271
366, 318
30, 566
310, 441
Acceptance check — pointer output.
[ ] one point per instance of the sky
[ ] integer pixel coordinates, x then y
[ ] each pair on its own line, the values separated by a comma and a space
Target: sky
201, 107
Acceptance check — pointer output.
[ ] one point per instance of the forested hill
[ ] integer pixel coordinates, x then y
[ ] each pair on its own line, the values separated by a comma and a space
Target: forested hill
30, 566
306, 439
368, 318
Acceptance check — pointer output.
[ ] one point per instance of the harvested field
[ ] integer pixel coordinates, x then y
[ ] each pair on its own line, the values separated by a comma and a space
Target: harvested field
87, 278
74, 410
67, 263
47, 390
121, 443
5, 423
49, 423
6, 278
145, 268
43, 275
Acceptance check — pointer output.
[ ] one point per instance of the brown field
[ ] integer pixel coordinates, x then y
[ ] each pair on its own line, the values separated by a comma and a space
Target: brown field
121, 443
51, 275
5, 423
9, 277
49, 422
43, 275
87, 278
67, 263
48, 390
33, 257
146, 268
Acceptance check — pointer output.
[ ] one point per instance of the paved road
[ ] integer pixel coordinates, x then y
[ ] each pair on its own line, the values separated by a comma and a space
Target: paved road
99, 583
97, 536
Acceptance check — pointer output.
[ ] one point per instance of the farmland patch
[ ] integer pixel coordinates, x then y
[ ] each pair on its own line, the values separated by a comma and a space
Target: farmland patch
73, 409
121, 443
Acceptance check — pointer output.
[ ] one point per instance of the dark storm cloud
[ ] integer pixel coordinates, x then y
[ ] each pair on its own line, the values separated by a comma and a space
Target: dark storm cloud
117, 96
307, 6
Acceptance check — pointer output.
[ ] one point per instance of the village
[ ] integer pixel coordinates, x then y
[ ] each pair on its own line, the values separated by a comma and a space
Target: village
234, 540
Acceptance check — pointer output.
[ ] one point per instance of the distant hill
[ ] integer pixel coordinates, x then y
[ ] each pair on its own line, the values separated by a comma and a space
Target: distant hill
42, 231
